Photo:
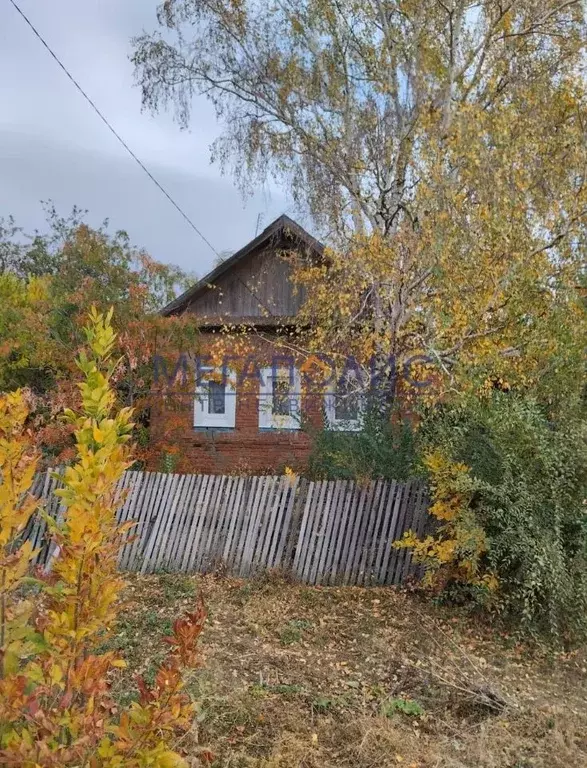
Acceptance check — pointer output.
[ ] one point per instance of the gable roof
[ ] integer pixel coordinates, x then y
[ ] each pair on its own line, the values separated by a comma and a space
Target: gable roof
280, 228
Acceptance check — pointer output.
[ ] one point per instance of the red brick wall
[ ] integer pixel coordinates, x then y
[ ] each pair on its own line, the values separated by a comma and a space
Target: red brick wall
243, 449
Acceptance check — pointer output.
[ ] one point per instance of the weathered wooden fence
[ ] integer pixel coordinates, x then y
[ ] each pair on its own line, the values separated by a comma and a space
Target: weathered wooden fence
328, 532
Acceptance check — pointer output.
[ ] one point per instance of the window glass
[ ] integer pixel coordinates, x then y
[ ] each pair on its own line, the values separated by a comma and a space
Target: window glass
346, 404
280, 398
281, 403
216, 397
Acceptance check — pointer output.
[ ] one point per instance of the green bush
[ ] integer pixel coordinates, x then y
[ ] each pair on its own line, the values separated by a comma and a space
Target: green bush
530, 495
382, 449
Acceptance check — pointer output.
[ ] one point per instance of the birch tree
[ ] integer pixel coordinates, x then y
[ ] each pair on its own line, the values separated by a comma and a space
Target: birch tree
439, 146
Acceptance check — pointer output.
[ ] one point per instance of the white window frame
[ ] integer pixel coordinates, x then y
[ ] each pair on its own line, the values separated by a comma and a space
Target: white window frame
270, 420
342, 425
202, 418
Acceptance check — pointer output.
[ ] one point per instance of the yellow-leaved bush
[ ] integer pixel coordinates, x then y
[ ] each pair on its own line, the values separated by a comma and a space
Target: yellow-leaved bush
18, 462
56, 708
454, 551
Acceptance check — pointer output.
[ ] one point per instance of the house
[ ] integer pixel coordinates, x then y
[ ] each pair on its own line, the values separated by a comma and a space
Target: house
249, 408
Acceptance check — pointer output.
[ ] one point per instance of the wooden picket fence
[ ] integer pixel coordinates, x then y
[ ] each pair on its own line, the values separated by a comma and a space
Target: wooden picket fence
327, 532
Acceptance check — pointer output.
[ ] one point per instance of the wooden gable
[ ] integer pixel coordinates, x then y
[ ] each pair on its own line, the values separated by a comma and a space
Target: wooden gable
259, 287
253, 286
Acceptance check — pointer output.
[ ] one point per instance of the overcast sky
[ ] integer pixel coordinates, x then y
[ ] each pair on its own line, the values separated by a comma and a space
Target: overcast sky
53, 145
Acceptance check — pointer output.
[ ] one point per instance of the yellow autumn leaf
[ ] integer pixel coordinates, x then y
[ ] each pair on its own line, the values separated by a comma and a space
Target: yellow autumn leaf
170, 759
56, 674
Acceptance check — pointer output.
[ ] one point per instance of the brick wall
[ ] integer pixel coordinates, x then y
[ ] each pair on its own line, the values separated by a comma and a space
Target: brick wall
243, 449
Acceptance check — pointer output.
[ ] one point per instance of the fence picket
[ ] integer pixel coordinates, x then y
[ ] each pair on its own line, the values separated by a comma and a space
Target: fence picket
324, 532
367, 532
299, 551
371, 546
221, 531
234, 512
322, 517
198, 522
143, 510
271, 529
196, 510
167, 525
346, 497
243, 513
249, 519
286, 525
122, 515
255, 526
38, 530
176, 540
260, 534
211, 518
386, 574
138, 484
159, 520
355, 533
155, 521
313, 531
401, 553
384, 543
411, 523
320, 574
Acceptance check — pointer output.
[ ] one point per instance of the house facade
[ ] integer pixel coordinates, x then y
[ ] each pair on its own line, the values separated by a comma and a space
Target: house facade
250, 409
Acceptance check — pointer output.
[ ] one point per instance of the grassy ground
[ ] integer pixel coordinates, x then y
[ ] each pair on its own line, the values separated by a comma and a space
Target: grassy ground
312, 677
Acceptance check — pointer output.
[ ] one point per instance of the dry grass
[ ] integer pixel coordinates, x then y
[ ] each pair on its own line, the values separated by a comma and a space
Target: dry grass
315, 677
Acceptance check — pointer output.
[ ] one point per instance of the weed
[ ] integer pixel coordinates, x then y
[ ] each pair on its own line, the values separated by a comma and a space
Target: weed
152, 621
308, 596
290, 635
287, 690
258, 690
168, 462
150, 674
301, 624
177, 587
405, 706
322, 704
126, 698
245, 593
293, 632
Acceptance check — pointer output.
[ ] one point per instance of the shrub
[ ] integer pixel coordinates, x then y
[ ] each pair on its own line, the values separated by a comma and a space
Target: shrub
454, 554
528, 490
383, 449
55, 707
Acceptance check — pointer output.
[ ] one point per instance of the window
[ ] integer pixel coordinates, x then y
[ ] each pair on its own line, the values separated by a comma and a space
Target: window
215, 403
279, 399
216, 398
344, 404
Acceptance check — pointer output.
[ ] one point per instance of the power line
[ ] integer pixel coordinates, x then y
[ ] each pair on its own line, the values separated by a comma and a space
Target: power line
109, 126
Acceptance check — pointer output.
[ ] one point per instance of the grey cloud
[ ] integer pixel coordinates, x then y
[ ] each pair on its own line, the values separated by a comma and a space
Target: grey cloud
53, 146
34, 169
